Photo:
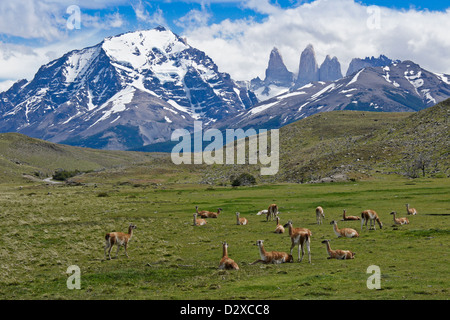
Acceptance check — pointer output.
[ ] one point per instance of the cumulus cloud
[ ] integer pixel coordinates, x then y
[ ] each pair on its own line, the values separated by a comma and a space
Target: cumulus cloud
30, 19
341, 28
143, 14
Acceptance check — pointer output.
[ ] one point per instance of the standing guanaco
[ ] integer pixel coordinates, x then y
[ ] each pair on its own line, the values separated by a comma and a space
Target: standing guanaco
300, 237
372, 216
120, 239
272, 212
319, 214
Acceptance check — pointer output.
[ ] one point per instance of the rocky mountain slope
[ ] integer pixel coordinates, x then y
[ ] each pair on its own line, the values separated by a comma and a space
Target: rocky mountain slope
399, 87
279, 79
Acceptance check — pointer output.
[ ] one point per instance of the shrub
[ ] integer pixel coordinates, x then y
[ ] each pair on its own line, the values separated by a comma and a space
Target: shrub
244, 179
63, 175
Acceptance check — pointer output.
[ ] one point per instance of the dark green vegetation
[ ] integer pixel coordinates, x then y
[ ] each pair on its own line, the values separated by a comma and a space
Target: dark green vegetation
47, 228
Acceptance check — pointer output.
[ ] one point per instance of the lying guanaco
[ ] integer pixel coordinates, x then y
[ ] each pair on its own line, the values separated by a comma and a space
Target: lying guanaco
399, 221
226, 262
120, 239
241, 221
279, 228
275, 257
338, 254
208, 214
344, 232
410, 211
199, 222
349, 218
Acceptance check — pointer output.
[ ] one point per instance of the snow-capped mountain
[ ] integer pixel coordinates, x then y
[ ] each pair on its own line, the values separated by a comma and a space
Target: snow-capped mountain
130, 90
399, 87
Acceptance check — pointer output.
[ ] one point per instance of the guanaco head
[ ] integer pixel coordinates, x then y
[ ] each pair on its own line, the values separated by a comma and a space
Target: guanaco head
131, 227
219, 210
393, 212
325, 241
224, 244
333, 222
290, 258
259, 243
289, 223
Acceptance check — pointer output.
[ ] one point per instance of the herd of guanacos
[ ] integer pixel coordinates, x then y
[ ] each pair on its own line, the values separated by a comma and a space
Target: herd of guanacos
300, 237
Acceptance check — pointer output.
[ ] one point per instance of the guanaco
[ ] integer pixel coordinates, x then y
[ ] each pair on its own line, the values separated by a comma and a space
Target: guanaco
279, 228
319, 214
120, 239
226, 262
262, 212
399, 221
241, 221
410, 211
344, 232
275, 257
338, 254
299, 237
208, 214
349, 218
372, 216
199, 222
272, 212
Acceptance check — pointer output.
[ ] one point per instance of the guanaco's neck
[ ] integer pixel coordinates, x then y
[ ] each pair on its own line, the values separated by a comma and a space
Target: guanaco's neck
328, 247
262, 251
225, 251
343, 214
290, 229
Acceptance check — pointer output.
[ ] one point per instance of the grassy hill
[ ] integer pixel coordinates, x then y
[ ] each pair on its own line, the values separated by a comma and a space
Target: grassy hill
331, 146
21, 155
342, 145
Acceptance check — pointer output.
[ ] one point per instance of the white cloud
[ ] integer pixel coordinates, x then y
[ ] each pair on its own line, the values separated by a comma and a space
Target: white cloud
30, 19
5, 85
143, 15
194, 19
337, 27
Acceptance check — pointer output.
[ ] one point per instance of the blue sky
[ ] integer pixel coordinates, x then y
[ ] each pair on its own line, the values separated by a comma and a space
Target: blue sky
237, 34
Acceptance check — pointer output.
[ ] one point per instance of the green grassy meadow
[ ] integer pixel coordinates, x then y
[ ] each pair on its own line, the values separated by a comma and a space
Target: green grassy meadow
47, 228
